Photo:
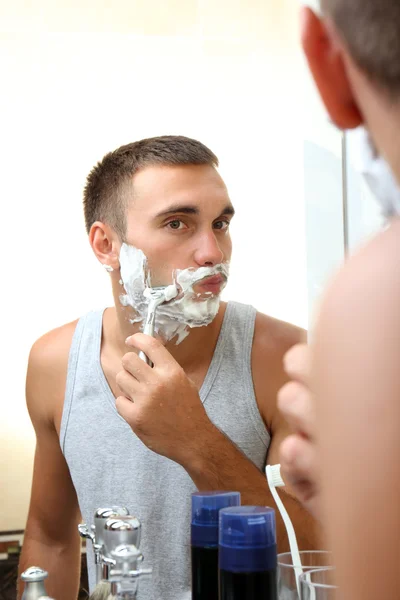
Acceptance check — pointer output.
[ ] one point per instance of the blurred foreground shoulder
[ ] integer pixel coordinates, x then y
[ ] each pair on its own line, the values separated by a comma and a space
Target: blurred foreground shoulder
366, 291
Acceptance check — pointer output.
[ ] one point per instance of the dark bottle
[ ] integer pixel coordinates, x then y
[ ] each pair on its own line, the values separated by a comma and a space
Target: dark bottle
247, 554
204, 541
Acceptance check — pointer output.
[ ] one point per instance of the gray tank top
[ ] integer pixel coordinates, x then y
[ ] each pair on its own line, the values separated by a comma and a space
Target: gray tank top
109, 465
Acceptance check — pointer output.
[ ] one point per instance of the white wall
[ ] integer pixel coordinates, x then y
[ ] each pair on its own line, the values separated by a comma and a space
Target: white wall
81, 78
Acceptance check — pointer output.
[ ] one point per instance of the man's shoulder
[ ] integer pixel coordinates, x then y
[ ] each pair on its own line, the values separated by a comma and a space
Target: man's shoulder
273, 337
53, 347
368, 284
361, 307
47, 373
48, 360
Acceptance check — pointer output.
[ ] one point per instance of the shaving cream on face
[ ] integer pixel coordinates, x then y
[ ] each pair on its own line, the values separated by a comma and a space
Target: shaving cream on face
108, 268
133, 268
187, 310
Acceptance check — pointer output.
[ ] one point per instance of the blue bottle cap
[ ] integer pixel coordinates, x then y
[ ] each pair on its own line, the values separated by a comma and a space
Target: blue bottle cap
247, 539
205, 511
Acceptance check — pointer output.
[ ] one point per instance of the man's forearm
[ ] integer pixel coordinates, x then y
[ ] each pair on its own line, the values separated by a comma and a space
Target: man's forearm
61, 561
220, 465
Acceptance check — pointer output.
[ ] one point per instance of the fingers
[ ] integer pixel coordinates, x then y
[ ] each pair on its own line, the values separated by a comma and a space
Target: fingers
297, 456
128, 385
153, 348
296, 404
299, 467
125, 408
136, 367
297, 363
298, 451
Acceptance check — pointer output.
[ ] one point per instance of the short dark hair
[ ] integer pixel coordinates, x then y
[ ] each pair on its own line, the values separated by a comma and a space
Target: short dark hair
371, 30
104, 198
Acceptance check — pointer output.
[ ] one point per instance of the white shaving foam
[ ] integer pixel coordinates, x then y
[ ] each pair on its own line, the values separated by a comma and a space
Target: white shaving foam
187, 310
133, 266
107, 268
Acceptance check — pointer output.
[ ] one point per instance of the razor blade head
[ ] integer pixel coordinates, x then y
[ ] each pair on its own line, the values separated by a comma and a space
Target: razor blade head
161, 294
155, 292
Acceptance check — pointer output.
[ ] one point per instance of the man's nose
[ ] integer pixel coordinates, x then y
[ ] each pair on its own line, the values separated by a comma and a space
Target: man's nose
208, 252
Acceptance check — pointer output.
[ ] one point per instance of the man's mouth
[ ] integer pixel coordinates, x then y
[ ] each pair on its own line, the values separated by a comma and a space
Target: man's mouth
211, 284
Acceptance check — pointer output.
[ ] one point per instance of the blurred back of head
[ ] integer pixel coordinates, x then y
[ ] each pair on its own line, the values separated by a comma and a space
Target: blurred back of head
371, 31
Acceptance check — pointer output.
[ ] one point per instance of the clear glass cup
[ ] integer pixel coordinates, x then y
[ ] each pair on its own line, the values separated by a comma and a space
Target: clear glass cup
310, 560
318, 584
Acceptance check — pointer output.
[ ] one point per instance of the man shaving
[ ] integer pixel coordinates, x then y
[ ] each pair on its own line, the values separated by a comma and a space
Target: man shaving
343, 403
113, 430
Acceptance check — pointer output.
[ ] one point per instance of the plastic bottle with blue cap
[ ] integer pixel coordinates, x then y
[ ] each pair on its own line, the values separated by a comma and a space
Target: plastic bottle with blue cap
247, 553
204, 541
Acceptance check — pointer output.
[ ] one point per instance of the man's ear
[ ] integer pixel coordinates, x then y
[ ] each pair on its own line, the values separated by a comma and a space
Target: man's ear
325, 56
105, 244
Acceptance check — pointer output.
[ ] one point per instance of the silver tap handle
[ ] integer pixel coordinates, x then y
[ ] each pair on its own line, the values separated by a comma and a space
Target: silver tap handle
126, 553
121, 530
33, 574
109, 511
127, 557
145, 572
34, 583
117, 575
85, 533
100, 517
141, 573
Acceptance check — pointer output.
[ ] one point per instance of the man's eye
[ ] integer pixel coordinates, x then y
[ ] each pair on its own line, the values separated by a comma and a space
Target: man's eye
221, 225
175, 224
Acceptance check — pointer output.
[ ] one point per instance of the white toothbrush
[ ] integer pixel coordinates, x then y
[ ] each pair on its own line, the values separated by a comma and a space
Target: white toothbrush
275, 480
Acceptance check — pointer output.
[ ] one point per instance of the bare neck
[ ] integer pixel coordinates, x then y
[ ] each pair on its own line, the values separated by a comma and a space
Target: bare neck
382, 118
388, 133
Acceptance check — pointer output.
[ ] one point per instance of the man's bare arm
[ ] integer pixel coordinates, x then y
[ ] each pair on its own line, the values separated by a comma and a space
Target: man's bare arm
51, 540
356, 379
222, 466
163, 408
